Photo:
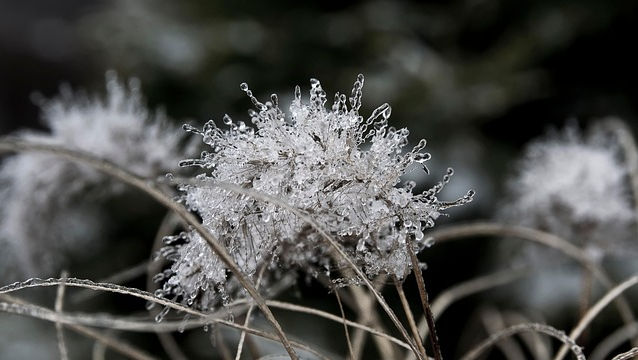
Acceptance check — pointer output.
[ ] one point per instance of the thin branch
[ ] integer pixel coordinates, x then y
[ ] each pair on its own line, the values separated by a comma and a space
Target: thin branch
627, 355
493, 323
329, 316
423, 295
59, 301
538, 346
595, 310
409, 315
116, 345
513, 330
457, 232
167, 226
109, 168
464, 289
614, 340
242, 336
110, 322
120, 277
345, 325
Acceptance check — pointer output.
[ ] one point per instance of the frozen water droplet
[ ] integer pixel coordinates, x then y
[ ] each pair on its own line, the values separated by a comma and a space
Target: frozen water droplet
429, 242
162, 314
227, 120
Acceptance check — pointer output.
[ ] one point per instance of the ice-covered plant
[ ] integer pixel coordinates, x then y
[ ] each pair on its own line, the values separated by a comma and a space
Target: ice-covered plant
575, 187
332, 164
49, 204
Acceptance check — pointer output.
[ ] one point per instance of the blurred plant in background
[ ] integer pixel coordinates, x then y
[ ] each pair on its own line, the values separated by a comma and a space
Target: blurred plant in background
478, 79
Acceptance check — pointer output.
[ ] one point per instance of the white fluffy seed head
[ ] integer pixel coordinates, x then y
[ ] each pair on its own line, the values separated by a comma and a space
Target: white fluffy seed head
48, 205
333, 164
574, 187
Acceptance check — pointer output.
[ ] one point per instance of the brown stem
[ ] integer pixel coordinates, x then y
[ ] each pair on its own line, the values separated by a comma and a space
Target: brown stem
117, 172
434, 338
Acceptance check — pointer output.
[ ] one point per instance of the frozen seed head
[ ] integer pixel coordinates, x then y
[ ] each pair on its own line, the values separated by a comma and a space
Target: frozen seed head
46, 211
331, 163
574, 187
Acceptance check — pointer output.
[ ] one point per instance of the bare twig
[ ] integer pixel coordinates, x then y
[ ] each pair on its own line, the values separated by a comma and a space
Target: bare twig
345, 325
368, 316
123, 323
493, 322
111, 169
242, 336
627, 355
423, 295
59, 302
538, 346
120, 277
409, 315
116, 345
467, 288
606, 346
167, 226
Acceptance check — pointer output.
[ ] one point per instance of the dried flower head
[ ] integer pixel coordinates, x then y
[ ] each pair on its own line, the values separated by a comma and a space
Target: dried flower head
574, 187
48, 203
332, 164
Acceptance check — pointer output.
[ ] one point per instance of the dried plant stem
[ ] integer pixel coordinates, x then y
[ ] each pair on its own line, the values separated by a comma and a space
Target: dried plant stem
427, 311
335, 246
627, 355
242, 336
513, 330
345, 326
220, 343
328, 316
368, 316
109, 168
120, 277
116, 345
363, 304
595, 310
409, 315
586, 285
167, 226
131, 325
464, 289
59, 301
204, 318
538, 346
540, 237
493, 323
611, 342
99, 349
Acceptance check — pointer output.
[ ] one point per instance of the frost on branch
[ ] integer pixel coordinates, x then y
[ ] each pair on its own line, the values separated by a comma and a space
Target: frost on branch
575, 187
338, 167
48, 204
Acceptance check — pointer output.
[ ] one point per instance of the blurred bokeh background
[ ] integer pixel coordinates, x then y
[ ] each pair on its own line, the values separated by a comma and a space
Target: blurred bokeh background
476, 78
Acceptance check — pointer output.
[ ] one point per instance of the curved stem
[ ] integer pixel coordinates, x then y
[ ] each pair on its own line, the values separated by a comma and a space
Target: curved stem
595, 310
457, 232
513, 330
109, 168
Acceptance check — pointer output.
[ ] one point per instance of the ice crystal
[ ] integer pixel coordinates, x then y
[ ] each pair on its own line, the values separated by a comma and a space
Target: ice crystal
48, 204
574, 187
334, 165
